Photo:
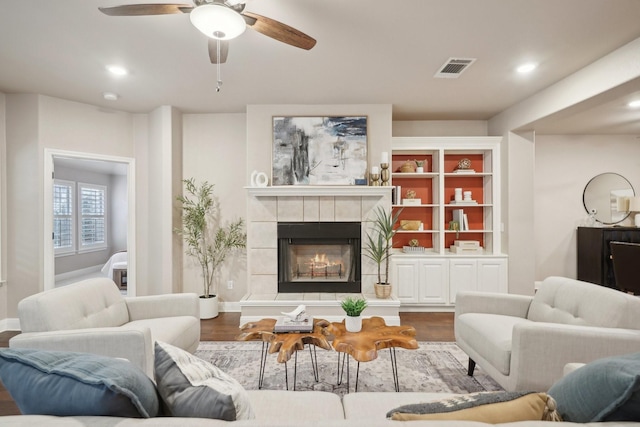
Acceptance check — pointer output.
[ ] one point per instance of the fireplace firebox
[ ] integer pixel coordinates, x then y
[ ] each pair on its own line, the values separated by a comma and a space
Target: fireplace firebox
319, 257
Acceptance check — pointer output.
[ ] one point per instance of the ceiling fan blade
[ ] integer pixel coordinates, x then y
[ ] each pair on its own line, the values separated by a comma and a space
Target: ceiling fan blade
281, 32
213, 51
146, 9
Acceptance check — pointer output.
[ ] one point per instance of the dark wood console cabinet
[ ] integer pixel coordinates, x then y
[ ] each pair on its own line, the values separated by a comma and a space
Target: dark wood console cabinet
594, 254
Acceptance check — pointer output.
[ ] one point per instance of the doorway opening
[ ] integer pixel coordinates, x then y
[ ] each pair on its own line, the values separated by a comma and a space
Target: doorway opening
89, 219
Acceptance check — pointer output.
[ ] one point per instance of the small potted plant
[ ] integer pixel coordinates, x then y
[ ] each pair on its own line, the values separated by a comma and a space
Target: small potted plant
207, 240
419, 165
378, 247
353, 307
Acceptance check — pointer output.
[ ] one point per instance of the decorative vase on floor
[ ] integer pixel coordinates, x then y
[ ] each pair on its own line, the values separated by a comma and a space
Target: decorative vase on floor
208, 307
382, 291
353, 323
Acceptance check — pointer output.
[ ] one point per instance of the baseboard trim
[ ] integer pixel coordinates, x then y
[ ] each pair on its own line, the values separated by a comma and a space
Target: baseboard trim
9, 324
228, 306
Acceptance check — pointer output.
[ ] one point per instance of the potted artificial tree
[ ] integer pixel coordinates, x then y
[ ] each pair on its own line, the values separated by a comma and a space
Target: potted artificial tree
207, 240
378, 247
353, 307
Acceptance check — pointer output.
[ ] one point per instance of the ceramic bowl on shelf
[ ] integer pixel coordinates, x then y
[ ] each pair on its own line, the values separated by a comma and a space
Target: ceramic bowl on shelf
410, 224
408, 166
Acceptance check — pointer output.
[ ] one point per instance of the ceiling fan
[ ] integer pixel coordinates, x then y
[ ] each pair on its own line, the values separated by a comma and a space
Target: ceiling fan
220, 20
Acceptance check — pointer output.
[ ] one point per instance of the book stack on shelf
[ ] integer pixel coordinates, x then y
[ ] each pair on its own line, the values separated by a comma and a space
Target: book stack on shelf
464, 171
466, 247
464, 202
461, 218
396, 195
301, 324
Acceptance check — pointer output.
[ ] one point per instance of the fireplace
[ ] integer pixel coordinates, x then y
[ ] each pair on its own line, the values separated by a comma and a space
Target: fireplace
319, 257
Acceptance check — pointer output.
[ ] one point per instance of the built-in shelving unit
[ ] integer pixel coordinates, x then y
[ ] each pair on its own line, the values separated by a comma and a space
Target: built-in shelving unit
433, 276
435, 188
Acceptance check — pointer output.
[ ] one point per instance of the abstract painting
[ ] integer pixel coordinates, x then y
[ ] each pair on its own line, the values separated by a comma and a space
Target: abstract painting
319, 150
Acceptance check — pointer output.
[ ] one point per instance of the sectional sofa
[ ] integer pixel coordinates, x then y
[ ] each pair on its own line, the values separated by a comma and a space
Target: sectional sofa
293, 408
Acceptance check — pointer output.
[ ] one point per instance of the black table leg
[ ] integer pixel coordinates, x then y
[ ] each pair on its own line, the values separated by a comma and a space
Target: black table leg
263, 362
394, 368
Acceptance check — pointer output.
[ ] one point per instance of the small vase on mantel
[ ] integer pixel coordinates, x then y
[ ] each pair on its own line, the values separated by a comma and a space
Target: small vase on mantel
353, 323
383, 290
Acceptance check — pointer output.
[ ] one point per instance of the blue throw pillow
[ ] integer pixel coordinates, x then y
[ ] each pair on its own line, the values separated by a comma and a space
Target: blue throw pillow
68, 384
604, 390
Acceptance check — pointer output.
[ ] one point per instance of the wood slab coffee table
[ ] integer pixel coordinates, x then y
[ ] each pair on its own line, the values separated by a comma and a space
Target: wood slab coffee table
363, 346
285, 344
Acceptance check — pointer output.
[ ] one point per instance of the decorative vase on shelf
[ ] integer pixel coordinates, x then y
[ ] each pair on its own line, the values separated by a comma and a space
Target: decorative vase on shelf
419, 169
353, 323
383, 291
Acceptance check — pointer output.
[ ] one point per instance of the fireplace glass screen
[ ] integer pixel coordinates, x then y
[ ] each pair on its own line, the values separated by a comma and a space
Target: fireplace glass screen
319, 257
319, 262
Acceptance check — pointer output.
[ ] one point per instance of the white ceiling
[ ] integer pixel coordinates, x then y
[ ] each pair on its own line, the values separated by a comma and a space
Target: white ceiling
368, 52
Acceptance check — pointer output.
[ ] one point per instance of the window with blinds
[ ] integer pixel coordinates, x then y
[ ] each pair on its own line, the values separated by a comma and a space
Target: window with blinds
79, 217
63, 239
92, 216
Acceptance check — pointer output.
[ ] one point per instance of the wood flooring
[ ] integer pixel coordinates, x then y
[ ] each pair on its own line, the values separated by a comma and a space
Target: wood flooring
429, 327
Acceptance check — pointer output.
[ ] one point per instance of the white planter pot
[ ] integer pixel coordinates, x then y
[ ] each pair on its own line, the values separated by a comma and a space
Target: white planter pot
353, 323
208, 307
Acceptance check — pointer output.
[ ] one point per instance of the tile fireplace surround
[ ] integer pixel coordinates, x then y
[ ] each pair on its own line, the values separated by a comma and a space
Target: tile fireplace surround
269, 205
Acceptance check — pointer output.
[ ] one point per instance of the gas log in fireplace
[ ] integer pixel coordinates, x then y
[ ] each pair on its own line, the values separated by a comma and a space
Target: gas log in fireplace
319, 257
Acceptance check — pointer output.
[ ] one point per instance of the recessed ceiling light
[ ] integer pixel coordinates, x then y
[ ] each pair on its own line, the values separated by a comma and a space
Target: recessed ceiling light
634, 104
110, 96
117, 70
527, 68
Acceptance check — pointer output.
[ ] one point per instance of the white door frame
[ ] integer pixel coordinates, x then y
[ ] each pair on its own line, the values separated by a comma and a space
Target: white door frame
49, 255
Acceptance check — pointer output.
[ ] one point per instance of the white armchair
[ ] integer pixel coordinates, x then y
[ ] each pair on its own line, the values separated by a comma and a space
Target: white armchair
524, 342
92, 316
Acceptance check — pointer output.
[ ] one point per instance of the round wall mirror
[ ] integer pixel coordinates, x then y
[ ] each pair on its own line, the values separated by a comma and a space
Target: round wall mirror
605, 197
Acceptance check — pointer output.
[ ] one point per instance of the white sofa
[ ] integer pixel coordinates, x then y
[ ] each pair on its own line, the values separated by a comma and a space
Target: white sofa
92, 316
296, 409
524, 342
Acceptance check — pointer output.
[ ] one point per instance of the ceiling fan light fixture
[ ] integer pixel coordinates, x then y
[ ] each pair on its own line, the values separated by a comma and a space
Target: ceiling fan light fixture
218, 21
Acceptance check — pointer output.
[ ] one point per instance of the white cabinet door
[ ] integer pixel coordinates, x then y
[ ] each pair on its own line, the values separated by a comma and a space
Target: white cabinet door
492, 275
405, 278
433, 287
463, 276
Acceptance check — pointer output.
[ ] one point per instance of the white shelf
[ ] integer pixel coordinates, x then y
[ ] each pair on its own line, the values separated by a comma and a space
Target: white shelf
415, 206
466, 175
319, 190
480, 205
468, 231
401, 175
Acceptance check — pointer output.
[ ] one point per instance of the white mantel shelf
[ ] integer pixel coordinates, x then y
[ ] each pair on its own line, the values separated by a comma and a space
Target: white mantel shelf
319, 190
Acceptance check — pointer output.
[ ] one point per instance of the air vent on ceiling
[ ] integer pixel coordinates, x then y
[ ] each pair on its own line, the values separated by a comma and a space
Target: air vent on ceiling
454, 67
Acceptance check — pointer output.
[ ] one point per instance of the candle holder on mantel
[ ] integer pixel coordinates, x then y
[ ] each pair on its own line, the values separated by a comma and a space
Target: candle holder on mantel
384, 174
373, 179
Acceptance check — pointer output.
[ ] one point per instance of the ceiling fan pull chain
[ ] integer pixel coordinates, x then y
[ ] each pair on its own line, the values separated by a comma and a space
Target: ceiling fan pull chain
218, 66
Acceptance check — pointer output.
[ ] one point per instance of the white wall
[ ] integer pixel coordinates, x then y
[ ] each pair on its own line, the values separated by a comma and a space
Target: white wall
564, 164
215, 150
516, 125
3, 213
33, 123
24, 205
440, 128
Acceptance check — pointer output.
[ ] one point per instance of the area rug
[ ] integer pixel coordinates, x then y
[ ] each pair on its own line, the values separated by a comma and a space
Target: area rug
433, 367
